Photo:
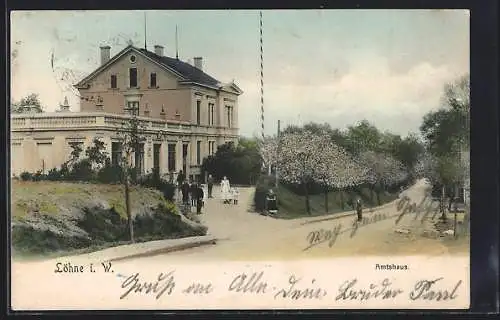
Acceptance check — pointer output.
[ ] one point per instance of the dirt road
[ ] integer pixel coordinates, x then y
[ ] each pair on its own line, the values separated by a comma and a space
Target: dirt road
250, 236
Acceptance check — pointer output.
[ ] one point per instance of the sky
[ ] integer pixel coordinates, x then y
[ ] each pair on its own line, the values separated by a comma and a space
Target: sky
333, 66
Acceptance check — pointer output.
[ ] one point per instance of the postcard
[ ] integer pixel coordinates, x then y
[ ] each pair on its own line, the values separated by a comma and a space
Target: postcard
240, 159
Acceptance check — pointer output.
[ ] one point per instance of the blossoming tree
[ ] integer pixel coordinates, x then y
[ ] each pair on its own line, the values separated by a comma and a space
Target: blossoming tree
299, 160
269, 152
336, 169
384, 171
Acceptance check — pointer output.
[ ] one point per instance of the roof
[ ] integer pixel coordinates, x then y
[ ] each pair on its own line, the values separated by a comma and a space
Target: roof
185, 71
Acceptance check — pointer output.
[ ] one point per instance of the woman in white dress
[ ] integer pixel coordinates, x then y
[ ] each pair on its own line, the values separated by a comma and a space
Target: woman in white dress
225, 189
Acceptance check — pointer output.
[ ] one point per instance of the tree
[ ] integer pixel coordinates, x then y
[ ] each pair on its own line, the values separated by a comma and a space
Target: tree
384, 171
97, 154
76, 151
448, 138
240, 163
363, 137
424, 166
446, 171
335, 168
32, 100
131, 138
299, 161
269, 151
409, 151
447, 129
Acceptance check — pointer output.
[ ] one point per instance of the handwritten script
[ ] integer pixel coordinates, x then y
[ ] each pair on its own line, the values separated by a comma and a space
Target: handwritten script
403, 207
294, 288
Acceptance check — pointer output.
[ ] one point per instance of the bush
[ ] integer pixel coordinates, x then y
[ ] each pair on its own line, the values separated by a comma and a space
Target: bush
168, 190
54, 175
26, 176
164, 222
264, 183
153, 180
39, 176
82, 171
110, 174
103, 225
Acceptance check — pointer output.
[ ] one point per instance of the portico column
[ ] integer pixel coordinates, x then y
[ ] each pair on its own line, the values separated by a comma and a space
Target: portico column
178, 155
148, 156
164, 157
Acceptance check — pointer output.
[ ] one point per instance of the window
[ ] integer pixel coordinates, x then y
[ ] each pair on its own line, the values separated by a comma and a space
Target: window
116, 153
229, 114
156, 156
184, 157
133, 108
198, 152
152, 80
211, 114
171, 157
133, 77
139, 159
211, 147
113, 81
198, 111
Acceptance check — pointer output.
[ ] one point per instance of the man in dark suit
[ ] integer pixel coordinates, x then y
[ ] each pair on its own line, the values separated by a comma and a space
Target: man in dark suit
210, 183
185, 192
199, 198
192, 193
359, 209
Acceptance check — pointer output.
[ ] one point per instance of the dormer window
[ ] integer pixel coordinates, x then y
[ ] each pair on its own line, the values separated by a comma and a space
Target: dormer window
133, 77
152, 80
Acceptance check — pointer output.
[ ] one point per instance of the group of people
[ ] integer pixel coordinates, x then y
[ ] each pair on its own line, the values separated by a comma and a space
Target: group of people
195, 194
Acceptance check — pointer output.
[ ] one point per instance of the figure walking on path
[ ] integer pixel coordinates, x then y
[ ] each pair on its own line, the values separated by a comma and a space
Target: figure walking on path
199, 198
205, 193
225, 188
271, 203
185, 193
235, 195
359, 209
192, 193
180, 179
210, 184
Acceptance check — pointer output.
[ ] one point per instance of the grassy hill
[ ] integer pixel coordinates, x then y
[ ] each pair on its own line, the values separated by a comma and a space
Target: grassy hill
59, 217
292, 205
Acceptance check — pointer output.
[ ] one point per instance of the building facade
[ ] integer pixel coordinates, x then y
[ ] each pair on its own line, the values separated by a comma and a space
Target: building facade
184, 114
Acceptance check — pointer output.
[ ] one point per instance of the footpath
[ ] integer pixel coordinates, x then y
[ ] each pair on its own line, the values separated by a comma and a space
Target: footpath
150, 248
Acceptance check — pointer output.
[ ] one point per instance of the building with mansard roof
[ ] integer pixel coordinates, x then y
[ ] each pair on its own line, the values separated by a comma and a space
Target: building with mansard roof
185, 113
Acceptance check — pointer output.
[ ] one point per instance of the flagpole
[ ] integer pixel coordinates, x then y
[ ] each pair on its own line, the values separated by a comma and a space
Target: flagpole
145, 32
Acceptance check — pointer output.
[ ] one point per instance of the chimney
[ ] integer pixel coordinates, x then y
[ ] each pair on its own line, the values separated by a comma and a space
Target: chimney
159, 50
105, 54
198, 63
65, 105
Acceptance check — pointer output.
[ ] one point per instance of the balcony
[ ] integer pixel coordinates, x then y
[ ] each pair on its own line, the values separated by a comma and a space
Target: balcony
80, 121
64, 121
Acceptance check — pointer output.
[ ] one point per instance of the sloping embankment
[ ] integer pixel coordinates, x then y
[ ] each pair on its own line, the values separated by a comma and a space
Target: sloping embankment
50, 217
